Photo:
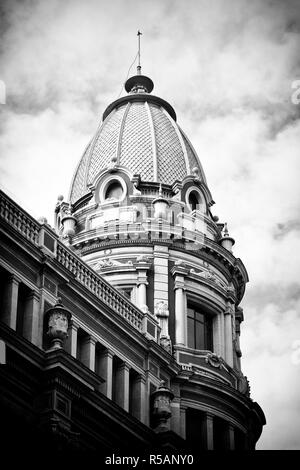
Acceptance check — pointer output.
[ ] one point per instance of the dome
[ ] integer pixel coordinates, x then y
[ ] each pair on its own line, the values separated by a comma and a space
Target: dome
139, 132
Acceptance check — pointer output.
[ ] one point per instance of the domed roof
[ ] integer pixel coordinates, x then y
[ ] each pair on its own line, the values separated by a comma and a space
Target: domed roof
138, 132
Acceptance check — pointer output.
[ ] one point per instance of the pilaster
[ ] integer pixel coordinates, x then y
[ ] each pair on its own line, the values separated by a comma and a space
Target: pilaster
31, 324
10, 302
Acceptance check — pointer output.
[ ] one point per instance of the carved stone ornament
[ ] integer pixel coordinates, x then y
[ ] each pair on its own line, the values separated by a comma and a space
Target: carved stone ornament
179, 262
136, 191
108, 263
162, 398
165, 342
213, 360
58, 323
142, 259
209, 275
161, 309
243, 385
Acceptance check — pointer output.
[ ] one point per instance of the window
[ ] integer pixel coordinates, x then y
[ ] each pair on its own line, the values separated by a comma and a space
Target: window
114, 191
194, 201
111, 189
199, 326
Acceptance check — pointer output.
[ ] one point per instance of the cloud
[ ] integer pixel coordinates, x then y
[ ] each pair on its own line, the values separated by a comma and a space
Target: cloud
228, 69
268, 341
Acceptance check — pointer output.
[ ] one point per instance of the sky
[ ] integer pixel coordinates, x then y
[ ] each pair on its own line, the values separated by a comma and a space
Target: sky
228, 68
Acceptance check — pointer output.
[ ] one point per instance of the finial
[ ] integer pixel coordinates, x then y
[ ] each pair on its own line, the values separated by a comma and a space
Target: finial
139, 53
138, 83
226, 233
227, 241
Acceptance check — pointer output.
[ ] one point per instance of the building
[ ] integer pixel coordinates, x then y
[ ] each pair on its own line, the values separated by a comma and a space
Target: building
121, 325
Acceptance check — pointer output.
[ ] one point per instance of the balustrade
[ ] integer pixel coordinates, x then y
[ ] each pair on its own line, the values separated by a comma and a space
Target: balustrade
30, 228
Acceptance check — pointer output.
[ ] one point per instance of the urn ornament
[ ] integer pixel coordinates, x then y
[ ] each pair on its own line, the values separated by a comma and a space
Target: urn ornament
58, 323
162, 398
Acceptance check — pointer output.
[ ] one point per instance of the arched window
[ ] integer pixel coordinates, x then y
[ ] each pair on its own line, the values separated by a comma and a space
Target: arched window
114, 191
199, 328
194, 200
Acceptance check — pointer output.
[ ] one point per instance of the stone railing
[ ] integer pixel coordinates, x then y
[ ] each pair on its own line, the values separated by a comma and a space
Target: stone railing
100, 288
20, 220
29, 228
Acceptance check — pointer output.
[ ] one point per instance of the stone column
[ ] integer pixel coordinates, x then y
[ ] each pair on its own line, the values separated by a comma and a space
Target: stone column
179, 271
10, 302
231, 443
105, 370
142, 295
209, 431
183, 422
228, 337
71, 343
2, 352
138, 394
180, 314
88, 352
222, 334
122, 386
175, 419
218, 333
142, 265
31, 323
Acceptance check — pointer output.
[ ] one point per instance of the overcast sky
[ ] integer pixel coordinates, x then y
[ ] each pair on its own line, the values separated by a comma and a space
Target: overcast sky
227, 67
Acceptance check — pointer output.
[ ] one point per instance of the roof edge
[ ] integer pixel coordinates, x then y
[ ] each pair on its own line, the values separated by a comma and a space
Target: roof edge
141, 97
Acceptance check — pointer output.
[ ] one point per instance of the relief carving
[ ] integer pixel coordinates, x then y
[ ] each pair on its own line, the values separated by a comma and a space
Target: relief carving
161, 309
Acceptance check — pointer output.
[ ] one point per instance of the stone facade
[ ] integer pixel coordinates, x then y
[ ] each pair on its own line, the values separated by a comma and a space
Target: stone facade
149, 293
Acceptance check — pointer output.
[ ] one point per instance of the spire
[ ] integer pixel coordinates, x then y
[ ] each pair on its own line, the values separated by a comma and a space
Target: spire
139, 83
139, 68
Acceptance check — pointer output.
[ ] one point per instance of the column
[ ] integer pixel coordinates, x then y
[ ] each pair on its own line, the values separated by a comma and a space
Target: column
231, 443
146, 404
175, 420
88, 352
31, 324
209, 431
122, 386
142, 266
105, 370
179, 271
183, 422
142, 295
180, 324
2, 352
218, 333
71, 343
138, 398
228, 338
10, 302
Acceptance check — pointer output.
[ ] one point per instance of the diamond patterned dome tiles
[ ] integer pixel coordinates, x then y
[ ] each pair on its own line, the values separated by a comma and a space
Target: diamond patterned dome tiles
141, 136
